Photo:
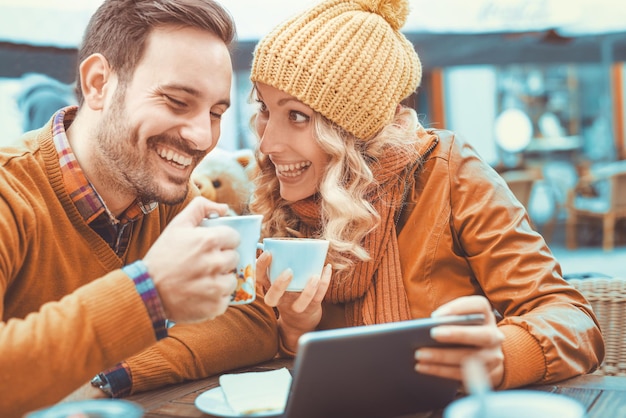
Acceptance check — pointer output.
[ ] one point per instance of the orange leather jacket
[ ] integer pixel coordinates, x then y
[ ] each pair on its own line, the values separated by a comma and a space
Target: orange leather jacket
462, 233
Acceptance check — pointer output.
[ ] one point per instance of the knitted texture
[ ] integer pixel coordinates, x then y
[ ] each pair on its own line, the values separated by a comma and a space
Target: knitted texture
346, 59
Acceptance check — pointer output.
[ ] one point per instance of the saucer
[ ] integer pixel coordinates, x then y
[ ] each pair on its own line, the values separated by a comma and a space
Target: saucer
213, 402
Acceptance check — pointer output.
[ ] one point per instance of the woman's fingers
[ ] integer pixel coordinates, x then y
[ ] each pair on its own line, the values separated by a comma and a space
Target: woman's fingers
469, 335
278, 288
467, 305
262, 265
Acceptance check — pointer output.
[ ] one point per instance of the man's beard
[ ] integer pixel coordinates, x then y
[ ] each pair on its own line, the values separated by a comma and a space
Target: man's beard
123, 164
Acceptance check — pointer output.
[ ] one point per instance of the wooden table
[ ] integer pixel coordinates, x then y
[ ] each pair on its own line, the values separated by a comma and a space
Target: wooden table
603, 396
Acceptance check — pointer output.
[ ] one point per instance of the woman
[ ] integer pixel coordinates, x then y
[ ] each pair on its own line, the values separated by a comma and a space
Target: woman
418, 224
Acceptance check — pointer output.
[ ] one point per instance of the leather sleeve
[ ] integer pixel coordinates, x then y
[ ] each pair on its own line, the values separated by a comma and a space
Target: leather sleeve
463, 232
548, 324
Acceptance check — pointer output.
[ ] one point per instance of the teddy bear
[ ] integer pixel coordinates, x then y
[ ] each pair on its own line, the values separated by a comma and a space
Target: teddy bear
226, 177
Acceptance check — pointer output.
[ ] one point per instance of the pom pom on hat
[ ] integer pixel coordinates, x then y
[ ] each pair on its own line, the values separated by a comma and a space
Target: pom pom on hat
346, 59
395, 12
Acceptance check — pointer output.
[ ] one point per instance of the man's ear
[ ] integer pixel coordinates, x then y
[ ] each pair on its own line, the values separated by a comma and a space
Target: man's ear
95, 76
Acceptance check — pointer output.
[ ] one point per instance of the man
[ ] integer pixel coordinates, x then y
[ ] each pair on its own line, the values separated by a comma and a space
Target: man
89, 271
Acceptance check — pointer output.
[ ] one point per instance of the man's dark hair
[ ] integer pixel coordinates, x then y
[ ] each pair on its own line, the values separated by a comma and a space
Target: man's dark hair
119, 28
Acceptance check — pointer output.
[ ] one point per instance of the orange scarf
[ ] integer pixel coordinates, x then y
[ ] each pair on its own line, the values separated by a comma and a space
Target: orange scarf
374, 291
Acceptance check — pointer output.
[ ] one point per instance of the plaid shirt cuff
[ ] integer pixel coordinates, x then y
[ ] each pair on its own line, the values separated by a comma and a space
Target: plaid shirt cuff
119, 379
145, 287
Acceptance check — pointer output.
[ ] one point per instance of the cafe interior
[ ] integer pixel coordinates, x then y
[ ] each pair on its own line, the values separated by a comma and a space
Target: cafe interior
538, 88
540, 96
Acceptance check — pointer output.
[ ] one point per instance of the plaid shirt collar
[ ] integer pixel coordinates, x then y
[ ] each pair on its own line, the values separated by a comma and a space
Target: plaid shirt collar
88, 202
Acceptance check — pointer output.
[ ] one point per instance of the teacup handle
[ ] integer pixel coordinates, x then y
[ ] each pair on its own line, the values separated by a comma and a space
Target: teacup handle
259, 246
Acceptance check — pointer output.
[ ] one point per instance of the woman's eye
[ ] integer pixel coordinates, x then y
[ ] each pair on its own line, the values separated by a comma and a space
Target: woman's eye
298, 117
261, 104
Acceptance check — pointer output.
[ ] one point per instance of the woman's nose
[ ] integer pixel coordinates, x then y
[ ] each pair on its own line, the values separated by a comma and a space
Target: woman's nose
271, 139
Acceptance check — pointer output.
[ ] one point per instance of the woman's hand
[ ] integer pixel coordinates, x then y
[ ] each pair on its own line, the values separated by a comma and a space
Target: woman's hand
299, 312
482, 341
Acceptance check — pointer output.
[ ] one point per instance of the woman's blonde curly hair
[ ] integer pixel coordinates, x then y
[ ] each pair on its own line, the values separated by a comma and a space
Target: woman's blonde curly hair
347, 215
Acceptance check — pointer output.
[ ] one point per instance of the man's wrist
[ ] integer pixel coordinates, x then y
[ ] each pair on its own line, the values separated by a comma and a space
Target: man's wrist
101, 382
114, 382
138, 272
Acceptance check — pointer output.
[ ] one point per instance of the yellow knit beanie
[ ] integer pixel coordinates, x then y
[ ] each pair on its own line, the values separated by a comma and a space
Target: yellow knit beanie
346, 59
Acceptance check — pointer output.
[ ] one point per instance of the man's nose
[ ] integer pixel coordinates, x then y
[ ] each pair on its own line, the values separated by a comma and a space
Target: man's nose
199, 131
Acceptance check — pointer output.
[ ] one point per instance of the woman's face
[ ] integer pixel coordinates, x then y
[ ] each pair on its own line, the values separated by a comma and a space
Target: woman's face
285, 128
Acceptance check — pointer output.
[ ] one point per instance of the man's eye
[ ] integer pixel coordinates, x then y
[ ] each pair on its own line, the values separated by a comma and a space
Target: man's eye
175, 102
216, 115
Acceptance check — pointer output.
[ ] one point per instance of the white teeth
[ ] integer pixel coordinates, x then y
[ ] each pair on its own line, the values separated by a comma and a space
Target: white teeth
171, 155
292, 170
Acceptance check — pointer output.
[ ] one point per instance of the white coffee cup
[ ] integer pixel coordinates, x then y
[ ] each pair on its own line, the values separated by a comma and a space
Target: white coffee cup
304, 256
249, 228
516, 404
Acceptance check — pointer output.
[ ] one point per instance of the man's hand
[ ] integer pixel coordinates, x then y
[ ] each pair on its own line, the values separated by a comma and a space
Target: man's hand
86, 391
192, 266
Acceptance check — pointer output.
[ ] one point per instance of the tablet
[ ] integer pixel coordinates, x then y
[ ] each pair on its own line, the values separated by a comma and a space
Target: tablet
368, 371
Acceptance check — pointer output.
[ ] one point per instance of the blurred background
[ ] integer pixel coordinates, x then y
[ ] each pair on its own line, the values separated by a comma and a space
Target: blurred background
537, 86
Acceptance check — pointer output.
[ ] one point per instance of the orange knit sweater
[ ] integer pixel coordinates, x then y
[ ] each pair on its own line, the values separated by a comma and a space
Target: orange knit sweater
68, 310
